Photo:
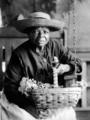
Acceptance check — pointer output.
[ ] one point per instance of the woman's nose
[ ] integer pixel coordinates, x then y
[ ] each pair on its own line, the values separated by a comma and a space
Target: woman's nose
41, 32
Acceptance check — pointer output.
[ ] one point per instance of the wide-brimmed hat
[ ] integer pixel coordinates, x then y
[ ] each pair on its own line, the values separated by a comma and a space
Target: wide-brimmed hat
37, 19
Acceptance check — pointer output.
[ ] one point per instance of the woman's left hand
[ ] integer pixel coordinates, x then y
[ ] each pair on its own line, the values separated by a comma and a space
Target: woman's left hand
62, 68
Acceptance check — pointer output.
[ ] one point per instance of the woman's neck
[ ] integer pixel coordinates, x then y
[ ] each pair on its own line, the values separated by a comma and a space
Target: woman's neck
39, 49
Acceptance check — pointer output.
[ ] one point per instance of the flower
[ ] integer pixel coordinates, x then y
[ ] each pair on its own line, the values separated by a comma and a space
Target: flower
26, 85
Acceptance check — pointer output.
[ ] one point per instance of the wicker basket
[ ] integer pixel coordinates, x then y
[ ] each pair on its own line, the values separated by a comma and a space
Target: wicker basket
54, 98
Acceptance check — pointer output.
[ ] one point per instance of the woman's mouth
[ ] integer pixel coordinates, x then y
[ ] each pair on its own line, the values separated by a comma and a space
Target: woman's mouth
42, 40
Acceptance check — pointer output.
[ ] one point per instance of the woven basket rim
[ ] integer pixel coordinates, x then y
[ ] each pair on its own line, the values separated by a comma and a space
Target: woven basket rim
58, 89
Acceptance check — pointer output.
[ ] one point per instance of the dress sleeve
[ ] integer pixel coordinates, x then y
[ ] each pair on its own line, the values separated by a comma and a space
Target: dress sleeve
67, 57
13, 76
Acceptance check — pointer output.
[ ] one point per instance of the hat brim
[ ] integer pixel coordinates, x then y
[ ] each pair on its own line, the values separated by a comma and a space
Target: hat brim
53, 25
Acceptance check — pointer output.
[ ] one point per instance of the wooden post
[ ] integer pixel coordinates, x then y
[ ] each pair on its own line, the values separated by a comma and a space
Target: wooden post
84, 88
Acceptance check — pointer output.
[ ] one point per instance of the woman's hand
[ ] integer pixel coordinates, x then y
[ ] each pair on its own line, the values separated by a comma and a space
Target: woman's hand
59, 68
62, 68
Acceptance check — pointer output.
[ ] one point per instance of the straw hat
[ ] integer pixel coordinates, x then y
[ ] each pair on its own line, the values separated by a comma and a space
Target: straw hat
37, 19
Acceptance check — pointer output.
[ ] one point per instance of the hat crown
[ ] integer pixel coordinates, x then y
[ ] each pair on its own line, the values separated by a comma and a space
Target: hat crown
34, 15
40, 15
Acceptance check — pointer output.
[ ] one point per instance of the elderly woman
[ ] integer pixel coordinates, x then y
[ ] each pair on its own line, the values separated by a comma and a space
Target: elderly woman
34, 60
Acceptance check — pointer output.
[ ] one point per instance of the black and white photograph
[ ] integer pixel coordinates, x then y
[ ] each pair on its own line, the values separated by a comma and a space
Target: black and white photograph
44, 59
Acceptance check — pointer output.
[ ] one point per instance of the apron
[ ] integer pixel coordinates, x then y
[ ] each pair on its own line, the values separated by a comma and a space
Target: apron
10, 111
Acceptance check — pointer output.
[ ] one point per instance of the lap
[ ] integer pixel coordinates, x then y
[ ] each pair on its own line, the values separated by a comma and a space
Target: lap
10, 111
65, 113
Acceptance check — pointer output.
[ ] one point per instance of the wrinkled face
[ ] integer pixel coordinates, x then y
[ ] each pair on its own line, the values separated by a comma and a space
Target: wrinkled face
40, 36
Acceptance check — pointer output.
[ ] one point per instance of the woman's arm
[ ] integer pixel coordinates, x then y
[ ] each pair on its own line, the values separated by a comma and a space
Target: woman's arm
14, 74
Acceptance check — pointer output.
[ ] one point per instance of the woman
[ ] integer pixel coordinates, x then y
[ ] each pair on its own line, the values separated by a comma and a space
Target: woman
33, 60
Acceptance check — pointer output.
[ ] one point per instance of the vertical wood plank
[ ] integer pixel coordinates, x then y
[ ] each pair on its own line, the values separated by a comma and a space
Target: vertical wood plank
84, 88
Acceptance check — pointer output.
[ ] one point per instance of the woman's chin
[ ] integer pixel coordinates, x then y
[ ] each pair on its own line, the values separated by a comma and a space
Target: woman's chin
41, 44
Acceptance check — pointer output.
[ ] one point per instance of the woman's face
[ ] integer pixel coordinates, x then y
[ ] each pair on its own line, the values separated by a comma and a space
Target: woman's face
40, 36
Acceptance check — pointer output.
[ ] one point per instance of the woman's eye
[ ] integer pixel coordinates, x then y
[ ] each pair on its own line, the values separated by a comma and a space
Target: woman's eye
36, 31
46, 32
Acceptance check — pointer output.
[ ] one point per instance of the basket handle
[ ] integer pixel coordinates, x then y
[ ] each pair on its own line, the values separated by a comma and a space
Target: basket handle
55, 75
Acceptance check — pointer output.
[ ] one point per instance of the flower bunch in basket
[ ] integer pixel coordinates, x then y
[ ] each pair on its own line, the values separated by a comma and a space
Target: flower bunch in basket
27, 85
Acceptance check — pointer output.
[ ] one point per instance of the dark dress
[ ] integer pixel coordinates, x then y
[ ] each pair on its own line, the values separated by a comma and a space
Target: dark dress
26, 62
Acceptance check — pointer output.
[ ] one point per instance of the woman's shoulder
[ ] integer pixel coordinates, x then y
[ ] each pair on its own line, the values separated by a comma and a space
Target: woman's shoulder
55, 43
22, 46
21, 49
